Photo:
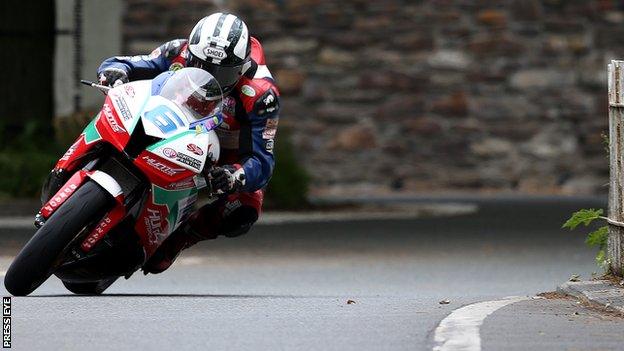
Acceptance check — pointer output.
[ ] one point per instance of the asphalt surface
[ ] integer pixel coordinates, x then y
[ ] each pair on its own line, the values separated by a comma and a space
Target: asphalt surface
288, 286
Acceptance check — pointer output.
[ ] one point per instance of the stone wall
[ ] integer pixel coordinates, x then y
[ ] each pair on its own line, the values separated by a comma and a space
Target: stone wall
429, 95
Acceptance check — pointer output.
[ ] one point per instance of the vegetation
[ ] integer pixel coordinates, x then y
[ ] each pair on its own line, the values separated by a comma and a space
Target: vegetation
596, 238
288, 188
25, 160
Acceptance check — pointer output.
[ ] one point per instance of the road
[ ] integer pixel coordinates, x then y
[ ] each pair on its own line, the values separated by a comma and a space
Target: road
288, 287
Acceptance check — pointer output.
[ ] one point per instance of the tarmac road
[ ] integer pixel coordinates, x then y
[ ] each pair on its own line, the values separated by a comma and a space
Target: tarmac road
288, 287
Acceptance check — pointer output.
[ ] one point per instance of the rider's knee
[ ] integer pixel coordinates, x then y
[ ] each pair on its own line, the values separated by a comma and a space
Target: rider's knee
238, 221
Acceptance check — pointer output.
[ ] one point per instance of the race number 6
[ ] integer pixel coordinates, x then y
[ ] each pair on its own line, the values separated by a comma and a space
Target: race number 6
163, 117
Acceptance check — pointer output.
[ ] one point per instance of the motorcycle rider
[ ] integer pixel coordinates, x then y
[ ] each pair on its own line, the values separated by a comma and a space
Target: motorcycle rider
220, 44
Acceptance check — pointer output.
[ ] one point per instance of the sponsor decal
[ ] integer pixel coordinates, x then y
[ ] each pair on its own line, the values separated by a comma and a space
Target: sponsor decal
219, 41
162, 167
155, 53
153, 224
59, 198
215, 53
185, 184
196, 149
270, 129
268, 99
129, 90
175, 66
267, 104
97, 233
169, 152
108, 113
247, 90
269, 145
71, 150
188, 160
122, 107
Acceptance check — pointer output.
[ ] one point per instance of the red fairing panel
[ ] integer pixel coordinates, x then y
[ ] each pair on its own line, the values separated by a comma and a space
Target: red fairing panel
110, 127
103, 227
78, 148
64, 193
152, 225
160, 171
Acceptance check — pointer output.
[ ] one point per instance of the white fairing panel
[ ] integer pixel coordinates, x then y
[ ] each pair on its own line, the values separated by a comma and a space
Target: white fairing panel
107, 182
129, 99
190, 149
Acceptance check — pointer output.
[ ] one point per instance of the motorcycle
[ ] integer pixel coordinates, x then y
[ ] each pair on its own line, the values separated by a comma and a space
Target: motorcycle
129, 180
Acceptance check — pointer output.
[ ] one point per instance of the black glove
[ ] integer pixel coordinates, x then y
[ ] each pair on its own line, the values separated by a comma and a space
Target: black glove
227, 179
113, 77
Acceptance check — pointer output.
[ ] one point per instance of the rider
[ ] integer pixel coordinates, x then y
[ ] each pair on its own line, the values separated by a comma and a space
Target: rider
220, 44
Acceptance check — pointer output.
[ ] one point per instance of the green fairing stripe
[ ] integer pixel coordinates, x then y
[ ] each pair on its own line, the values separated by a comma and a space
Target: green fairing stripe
170, 199
91, 133
168, 140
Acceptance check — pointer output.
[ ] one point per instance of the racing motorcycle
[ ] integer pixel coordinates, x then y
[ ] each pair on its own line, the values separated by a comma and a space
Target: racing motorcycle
130, 179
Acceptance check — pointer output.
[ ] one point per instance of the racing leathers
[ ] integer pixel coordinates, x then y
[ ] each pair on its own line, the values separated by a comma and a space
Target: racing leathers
246, 137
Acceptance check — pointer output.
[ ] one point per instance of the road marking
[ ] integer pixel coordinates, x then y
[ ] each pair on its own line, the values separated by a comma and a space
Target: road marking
2, 273
460, 329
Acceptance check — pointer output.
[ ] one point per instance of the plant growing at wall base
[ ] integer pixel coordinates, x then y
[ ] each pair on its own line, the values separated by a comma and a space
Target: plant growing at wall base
597, 238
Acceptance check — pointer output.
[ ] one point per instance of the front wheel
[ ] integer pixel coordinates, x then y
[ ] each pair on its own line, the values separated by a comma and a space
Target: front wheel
35, 263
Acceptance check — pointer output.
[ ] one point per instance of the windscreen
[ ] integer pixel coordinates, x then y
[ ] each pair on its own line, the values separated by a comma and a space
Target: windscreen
196, 92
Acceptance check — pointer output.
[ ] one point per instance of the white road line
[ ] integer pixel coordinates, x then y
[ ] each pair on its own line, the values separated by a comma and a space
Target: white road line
460, 329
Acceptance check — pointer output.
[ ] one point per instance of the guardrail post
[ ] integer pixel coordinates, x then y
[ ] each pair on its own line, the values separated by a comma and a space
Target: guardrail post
616, 165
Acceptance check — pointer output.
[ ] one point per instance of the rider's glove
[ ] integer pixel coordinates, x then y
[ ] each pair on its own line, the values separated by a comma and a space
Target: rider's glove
228, 179
113, 77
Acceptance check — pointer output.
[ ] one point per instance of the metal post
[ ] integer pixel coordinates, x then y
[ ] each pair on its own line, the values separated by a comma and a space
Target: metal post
616, 165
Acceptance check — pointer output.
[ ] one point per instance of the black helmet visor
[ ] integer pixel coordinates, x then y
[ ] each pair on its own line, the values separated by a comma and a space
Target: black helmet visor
227, 76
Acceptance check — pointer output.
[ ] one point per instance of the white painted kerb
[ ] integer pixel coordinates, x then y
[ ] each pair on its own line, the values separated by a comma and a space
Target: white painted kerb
460, 330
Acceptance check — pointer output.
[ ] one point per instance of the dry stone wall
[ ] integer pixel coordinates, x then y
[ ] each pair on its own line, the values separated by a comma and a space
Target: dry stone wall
435, 95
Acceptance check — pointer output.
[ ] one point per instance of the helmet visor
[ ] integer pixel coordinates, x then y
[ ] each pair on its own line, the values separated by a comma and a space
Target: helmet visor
227, 76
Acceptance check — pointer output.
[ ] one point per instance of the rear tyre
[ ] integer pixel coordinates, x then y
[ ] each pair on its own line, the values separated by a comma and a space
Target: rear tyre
91, 288
35, 263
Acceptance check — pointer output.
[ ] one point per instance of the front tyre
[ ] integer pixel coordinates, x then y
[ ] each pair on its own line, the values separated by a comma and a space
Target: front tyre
35, 263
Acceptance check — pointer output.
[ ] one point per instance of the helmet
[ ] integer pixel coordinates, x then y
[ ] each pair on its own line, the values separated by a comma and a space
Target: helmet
219, 44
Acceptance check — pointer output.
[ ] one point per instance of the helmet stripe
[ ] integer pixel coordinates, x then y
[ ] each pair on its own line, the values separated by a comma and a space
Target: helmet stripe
197, 32
219, 24
240, 49
227, 26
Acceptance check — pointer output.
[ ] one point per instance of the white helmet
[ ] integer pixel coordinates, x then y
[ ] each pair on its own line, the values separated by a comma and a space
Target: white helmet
219, 44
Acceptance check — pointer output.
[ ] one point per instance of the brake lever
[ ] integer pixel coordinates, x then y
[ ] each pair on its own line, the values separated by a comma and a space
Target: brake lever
103, 88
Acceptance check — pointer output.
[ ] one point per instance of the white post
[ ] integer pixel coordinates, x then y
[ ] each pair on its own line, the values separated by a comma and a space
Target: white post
615, 246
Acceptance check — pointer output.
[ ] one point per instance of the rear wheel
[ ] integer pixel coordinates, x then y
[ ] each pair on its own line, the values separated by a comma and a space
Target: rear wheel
90, 288
37, 260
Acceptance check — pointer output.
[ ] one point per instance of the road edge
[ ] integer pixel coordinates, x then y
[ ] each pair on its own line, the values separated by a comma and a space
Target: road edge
601, 293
